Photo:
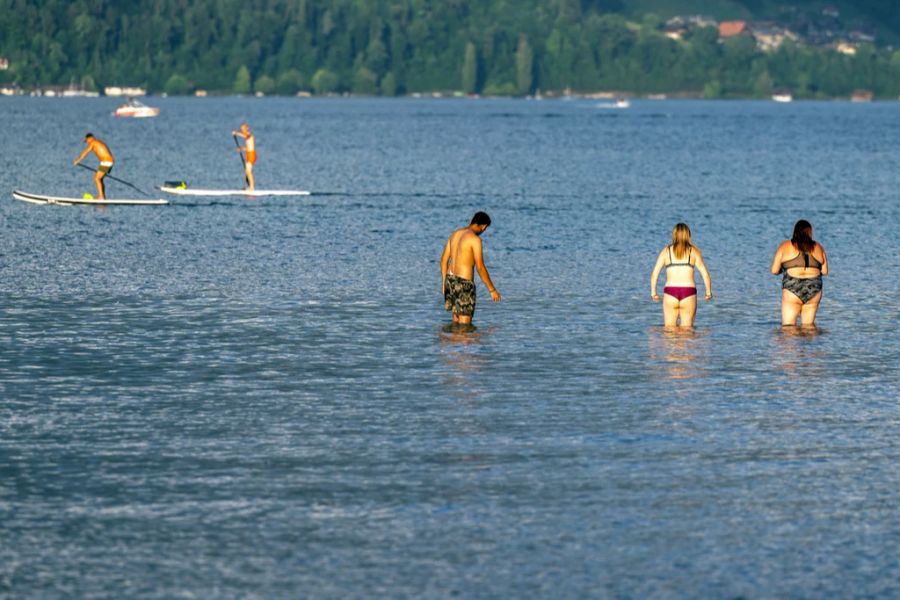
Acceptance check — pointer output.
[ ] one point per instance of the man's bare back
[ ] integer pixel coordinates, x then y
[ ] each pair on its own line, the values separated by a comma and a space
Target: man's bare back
463, 254
101, 150
98, 147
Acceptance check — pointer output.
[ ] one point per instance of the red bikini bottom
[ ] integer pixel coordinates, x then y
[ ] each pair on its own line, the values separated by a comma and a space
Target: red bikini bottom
680, 293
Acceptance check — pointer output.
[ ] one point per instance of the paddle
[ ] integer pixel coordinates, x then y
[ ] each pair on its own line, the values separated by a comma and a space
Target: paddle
115, 179
243, 162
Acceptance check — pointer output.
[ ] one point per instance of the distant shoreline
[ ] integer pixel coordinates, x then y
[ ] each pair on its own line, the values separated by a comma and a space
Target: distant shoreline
56, 92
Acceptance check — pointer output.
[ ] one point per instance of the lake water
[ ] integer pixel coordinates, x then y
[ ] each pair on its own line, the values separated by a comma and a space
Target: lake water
257, 398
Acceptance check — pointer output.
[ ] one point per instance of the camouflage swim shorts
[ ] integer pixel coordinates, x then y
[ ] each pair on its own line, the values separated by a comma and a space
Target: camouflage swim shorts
459, 295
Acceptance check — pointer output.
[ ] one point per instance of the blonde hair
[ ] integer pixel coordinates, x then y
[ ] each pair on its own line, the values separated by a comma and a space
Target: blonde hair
681, 240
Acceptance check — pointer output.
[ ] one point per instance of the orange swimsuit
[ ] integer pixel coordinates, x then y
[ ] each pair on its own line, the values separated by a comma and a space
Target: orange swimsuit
251, 156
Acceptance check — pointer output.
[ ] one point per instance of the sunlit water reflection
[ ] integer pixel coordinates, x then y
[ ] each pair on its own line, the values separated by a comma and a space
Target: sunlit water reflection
258, 397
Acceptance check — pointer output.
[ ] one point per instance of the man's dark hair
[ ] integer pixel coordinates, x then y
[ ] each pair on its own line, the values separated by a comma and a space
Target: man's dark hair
480, 218
88, 135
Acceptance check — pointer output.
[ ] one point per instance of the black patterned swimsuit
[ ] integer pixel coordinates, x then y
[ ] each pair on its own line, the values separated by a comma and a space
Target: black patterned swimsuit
804, 288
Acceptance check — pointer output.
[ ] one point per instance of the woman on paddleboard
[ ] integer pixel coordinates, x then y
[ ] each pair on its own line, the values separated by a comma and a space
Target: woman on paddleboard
803, 262
250, 149
680, 259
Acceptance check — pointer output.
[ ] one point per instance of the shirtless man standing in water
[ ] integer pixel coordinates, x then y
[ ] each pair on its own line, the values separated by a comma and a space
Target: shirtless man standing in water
462, 255
103, 155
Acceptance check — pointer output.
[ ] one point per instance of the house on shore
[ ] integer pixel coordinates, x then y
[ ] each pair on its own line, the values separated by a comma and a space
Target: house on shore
676, 27
131, 92
674, 31
730, 29
769, 36
845, 47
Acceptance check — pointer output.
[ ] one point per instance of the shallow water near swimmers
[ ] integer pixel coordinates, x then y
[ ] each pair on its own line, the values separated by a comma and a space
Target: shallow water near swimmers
263, 396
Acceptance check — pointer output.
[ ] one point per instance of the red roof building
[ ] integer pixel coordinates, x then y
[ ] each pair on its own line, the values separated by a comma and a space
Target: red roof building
729, 29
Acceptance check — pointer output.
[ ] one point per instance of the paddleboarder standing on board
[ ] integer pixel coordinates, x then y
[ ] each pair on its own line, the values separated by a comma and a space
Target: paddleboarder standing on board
98, 147
462, 256
250, 148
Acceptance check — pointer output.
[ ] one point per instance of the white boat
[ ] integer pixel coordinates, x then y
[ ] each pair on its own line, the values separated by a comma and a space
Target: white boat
619, 103
137, 109
784, 97
186, 191
63, 201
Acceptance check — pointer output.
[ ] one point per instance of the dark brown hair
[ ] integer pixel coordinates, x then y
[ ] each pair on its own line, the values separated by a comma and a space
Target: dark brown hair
802, 237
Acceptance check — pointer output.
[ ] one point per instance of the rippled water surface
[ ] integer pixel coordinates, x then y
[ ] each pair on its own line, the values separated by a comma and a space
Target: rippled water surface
258, 398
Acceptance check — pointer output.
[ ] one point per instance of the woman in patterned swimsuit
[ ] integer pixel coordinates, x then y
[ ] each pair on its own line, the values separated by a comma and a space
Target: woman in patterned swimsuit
803, 262
680, 292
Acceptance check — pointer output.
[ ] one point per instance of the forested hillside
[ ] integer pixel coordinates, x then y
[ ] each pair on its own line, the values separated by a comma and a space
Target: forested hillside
395, 47
883, 15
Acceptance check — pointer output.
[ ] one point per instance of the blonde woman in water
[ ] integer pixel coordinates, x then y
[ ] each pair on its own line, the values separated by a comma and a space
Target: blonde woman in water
679, 259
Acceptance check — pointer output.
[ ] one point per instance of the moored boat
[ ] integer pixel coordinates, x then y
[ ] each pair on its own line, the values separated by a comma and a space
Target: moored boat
135, 108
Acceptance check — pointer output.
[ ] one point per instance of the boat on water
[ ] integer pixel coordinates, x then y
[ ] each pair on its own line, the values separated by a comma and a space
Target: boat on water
618, 103
783, 97
135, 108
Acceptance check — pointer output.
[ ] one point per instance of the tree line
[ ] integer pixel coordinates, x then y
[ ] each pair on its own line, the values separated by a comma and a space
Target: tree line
393, 47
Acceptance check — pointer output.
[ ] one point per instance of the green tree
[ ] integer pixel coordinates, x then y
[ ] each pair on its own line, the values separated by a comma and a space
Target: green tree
88, 84
524, 67
762, 88
325, 82
376, 57
389, 85
504, 88
365, 82
712, 89
241, 83
894, 79
470, 70
177, 85
264, 85
289, 83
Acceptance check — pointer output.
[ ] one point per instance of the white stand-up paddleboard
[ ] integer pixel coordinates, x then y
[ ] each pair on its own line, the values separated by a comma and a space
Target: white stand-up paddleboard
186, 191
42, 199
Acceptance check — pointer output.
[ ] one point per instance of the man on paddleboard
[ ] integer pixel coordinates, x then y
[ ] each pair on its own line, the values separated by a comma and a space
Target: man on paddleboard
462, 256
105, 157
250, 148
